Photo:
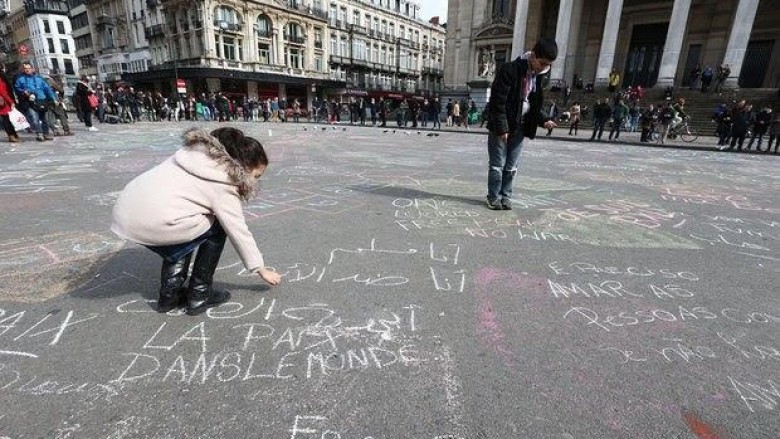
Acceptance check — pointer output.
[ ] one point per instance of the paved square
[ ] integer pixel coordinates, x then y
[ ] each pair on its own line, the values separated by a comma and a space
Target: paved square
632, 292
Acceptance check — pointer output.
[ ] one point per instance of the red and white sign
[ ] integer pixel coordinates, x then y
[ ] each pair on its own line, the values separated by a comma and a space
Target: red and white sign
181, 86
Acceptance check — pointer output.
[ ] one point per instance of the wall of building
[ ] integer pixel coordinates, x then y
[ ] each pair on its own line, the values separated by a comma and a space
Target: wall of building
709, 24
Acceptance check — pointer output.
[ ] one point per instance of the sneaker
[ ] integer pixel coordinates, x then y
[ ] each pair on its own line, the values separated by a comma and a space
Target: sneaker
48, 137
93, 129
506, 204
40, 138
494, 205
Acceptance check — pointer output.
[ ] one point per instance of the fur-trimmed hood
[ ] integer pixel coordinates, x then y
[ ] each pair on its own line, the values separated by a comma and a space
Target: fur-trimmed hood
204, 155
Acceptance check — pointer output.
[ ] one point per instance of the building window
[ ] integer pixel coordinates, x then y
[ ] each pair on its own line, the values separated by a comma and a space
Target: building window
359, 49
60, 27
69, 67
294, 34
343, 47
264, 53
83, 42
227, 18
108, 38
318, 37
318, 63
64, 46
231, 48
263, 27
79, 21
501, 8
46, 27
333, 45
50, 45
296, 57
55, 65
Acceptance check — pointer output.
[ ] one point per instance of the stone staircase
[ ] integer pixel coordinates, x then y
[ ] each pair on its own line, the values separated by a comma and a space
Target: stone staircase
699, 106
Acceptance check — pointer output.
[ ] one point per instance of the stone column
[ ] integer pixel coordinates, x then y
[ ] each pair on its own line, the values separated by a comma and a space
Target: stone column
674, 38
562, 38
521, 23
608, 42
573, 45
738, 39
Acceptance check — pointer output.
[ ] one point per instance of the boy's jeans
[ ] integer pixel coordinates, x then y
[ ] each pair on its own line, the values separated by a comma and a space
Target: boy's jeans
38, 120
503, 158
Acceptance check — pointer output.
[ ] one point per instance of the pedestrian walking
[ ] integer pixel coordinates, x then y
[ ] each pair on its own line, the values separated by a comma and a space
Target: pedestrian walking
706, 79
724, 72
435, 111
760, 127
87, 101
7, 104
575, 113
514, 113
35, 97
601, 111
619, 114
774, 134
193, 201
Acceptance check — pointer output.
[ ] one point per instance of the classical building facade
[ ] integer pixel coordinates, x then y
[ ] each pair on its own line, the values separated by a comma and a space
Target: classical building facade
651, 42
298, 48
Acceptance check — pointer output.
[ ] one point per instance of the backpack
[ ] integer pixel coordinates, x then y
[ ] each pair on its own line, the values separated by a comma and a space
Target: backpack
93, 100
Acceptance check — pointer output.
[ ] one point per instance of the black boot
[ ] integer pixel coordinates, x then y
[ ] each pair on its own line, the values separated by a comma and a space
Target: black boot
172, 279
201, 296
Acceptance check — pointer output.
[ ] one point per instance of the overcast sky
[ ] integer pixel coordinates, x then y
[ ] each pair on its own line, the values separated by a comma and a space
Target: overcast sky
432, 8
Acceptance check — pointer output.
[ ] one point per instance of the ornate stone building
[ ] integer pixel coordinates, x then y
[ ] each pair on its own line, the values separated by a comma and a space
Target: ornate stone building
298, 48
651, 42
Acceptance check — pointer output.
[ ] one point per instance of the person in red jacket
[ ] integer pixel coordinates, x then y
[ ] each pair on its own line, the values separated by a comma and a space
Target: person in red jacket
6, 105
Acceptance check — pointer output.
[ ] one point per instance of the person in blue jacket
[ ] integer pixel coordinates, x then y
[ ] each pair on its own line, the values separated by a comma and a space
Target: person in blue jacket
35, 97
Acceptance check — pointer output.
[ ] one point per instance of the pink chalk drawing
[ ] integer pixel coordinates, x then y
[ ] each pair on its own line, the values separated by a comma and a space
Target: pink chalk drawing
489, 329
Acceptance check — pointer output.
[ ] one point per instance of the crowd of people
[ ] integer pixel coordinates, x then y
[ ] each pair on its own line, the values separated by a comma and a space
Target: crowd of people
28, 102
29, 98
737, 126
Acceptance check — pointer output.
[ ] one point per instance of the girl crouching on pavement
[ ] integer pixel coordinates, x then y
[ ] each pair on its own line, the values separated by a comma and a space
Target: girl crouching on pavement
190, 202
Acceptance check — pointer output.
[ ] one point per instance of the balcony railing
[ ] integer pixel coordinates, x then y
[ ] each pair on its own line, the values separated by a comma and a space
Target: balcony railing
227, 26
296, 39
433, 71
106, 20
357, 28
154, 31
335, 59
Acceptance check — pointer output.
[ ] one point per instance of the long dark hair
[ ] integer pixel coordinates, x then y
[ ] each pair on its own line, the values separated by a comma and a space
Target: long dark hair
247, 151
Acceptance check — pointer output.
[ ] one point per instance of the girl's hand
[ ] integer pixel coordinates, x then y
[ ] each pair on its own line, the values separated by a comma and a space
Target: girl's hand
271, 277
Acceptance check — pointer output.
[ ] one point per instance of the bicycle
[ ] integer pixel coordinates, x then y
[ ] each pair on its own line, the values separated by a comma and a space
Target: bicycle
686, 132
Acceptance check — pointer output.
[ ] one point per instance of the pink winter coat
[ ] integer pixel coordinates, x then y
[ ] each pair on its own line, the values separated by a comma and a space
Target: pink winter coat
179, 199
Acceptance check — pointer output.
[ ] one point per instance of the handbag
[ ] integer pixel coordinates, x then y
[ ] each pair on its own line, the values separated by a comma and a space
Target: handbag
18, 120
93, 100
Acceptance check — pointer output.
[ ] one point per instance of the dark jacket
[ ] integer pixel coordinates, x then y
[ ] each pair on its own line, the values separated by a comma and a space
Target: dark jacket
602, 111
505, 108
82, 96
763, 119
